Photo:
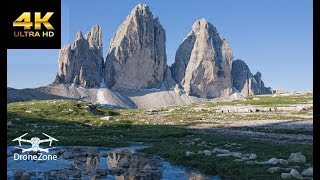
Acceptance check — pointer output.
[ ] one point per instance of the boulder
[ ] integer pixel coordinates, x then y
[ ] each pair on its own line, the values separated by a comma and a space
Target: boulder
272, 161
297, 158
207, 152
221, 151
223, 155
25, 176
274, 169
189, 153
107, 118
18, 173
295, 174
308, 172
285, 175
124, 162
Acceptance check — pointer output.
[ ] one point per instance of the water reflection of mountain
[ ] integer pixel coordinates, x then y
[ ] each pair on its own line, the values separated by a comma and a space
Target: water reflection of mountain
129, 166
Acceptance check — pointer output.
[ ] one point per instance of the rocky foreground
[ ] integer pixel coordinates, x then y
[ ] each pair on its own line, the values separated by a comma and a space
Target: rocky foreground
268, 136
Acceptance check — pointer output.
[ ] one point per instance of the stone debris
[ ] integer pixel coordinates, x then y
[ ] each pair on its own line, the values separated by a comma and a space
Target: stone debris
297, 158
295, 174
308, 172
107, 118
285, 175
189, 153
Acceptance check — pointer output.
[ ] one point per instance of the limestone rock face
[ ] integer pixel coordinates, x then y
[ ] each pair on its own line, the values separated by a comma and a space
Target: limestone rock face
203, 61
262, 89
245, 82
81, 63
137, 55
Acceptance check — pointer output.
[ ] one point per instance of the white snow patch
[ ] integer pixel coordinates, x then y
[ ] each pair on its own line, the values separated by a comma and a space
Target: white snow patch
102, 84
100, 97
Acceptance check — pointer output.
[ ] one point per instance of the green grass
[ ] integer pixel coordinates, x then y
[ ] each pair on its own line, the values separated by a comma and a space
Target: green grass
174, 151
281, 131
72, 124
269, 100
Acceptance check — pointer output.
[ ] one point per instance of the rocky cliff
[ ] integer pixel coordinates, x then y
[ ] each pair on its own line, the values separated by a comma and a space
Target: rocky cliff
81, 63
137, 55
203, 61
245, 82
136, 73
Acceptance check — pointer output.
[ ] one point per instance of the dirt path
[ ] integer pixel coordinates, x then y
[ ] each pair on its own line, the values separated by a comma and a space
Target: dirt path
273, 137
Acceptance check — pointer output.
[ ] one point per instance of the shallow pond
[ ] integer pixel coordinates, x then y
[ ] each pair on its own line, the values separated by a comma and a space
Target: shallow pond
81, 162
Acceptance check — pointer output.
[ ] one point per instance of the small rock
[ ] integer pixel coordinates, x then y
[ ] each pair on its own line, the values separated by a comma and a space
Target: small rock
189, 153
274, 169
62, 174
297, 158
221, 151
107, 118
59, 152
207, 152
67, 155
236, 154
73, 165
295, 174
283, 162
124, 162
308, 172
17, 119
86, 172
9, 123
287, 170
223, 155
285, 175
76, 174
151, 110
252, 156
102, 172
92, 152
147, 168
25, 176
272, 161
18, 173
92, 161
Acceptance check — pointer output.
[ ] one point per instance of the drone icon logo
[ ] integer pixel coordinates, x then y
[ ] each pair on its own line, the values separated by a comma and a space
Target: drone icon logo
35, 142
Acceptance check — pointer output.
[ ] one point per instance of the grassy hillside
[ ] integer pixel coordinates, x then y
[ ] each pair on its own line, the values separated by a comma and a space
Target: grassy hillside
165, 129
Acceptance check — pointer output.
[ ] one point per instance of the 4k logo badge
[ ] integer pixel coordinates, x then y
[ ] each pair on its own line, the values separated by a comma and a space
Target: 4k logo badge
34, 24
24, 20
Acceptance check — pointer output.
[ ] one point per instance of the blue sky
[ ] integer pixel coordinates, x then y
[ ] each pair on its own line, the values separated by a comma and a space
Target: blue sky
274, 36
